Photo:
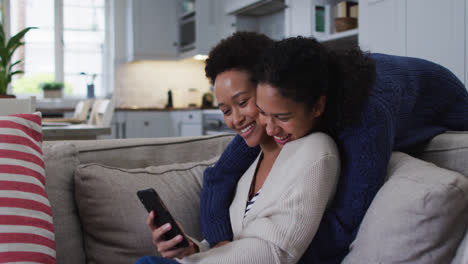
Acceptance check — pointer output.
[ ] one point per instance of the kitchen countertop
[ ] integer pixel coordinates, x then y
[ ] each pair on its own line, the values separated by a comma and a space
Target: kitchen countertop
123, 109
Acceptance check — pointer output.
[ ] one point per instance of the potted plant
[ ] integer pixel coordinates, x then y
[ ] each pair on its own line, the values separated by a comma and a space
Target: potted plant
7, 48
52, 89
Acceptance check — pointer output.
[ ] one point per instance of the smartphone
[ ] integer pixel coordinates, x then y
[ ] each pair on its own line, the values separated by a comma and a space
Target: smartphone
152, 202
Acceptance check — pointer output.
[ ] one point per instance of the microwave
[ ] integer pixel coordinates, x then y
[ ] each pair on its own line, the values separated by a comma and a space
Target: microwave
187, 32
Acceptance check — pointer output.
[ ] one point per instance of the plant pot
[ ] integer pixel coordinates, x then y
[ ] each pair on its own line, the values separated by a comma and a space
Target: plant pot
7, 96
53, 93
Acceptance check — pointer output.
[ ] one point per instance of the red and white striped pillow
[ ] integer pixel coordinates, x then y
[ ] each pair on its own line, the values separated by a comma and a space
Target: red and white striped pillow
26, 228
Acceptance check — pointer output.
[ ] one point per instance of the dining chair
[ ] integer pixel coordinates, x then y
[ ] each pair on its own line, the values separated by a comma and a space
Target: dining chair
17, 106
82, 110
101, 113
80, 114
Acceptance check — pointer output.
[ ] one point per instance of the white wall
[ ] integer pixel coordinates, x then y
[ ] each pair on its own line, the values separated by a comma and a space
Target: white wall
145, 83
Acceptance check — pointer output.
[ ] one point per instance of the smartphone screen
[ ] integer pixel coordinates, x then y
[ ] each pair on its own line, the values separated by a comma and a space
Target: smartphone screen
153, 202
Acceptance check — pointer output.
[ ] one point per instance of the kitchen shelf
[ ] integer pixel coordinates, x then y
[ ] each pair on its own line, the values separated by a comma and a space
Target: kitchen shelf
187, 14
348, 34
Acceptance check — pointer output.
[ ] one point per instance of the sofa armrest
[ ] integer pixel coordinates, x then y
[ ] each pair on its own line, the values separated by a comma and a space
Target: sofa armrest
448, 150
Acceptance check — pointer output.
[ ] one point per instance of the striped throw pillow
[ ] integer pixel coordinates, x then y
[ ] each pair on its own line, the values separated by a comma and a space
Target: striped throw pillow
26, 229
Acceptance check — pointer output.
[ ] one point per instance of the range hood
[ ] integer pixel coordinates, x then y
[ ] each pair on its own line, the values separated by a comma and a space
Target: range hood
255, 7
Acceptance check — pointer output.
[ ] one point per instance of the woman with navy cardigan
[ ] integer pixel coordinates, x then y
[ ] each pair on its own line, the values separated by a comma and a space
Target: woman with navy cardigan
375, 103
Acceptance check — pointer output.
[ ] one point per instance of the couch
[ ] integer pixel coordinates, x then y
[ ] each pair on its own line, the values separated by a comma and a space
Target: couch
419, 216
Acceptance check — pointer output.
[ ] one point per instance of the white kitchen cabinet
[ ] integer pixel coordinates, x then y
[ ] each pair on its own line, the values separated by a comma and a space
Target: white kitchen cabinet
152, 31
145, 124
270, 24
254, 7
187, 122
291, 18
382, 26
153, 124
211, 25
436, 31
429, 29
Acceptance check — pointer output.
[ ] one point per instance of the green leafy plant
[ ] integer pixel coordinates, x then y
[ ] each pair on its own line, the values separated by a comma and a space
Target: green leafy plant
51, 86
7, 48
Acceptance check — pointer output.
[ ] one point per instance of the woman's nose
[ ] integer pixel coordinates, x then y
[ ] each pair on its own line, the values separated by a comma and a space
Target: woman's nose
270, 126
237, 118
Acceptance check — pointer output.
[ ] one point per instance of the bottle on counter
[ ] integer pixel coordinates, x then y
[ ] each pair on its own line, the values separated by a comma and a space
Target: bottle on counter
169, 99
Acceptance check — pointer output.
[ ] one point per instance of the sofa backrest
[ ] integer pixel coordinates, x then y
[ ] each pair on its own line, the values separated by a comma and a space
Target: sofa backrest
62, 158
140, 153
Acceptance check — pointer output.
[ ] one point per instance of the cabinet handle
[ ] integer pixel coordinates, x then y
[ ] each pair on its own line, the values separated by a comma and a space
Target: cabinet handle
117, 130
146, 123
124, 129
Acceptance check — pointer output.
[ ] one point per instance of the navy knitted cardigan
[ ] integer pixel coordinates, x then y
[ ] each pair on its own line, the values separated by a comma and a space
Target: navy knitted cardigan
412, 101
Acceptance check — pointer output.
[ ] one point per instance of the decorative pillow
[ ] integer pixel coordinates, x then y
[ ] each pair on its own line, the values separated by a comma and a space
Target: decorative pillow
112, 216
418, 216
26, 228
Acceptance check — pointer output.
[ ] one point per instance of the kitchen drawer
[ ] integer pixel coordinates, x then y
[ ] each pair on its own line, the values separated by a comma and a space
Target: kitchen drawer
191, 116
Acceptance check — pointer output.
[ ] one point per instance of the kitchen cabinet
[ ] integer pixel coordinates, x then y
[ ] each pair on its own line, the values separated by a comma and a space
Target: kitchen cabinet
143, 124
270, 22
151, 29
382, 26
152, 124
187, 122
254, 7
290, 18
436, 31
429, 29
211, 25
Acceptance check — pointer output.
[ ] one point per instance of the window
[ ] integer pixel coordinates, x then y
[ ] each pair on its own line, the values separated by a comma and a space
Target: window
69, 46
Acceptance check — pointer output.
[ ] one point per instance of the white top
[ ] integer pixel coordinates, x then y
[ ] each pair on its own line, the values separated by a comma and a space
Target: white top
285, 218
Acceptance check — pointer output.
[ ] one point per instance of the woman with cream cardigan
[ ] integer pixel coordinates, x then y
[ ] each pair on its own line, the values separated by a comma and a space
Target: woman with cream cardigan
279, 201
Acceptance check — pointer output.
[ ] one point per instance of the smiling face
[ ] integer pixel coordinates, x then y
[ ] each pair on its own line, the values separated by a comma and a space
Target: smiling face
235, 94
284, 118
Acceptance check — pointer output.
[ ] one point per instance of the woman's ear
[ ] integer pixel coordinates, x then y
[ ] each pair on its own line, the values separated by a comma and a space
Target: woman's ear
319, 107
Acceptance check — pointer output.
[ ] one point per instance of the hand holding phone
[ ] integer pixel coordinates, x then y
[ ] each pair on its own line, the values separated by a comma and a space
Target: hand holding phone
153, 202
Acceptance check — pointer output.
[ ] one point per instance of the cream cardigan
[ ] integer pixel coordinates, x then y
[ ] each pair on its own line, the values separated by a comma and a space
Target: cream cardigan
286, 215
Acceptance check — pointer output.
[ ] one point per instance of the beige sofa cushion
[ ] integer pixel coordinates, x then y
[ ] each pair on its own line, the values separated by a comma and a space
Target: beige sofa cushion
113, 218
462, 252
418, 216
60, 162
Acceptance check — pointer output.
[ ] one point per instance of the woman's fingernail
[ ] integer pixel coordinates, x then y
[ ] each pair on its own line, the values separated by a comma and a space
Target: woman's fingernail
179, 237
167, 226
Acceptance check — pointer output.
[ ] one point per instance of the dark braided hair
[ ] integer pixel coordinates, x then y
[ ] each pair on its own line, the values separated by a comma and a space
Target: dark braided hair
241, 51
303, 69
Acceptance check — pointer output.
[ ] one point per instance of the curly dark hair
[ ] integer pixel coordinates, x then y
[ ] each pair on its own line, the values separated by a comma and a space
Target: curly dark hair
241, 51
304, 69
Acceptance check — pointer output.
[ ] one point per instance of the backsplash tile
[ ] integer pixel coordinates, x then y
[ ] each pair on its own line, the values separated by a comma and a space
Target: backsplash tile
146, 83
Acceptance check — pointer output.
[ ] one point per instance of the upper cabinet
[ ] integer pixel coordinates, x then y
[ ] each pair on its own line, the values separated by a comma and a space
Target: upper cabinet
430, 29
263, 16
151, 29
178, 29
202, 28
287, 18
254, 7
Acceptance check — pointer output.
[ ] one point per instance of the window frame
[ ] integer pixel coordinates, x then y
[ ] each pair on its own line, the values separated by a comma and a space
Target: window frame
108, 53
